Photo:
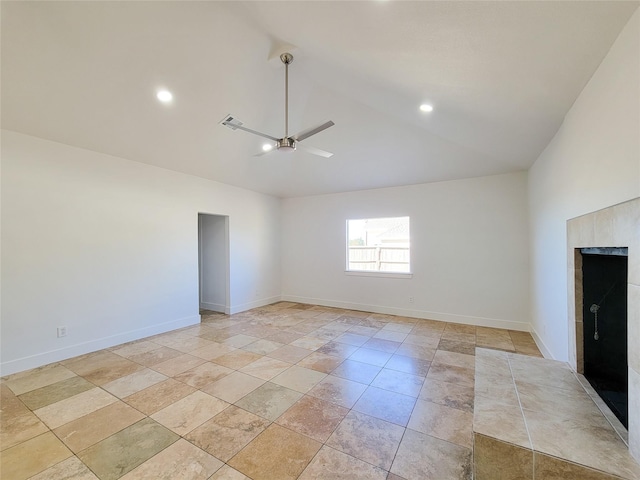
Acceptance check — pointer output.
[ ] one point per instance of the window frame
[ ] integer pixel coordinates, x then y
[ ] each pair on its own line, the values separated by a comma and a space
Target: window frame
376, 273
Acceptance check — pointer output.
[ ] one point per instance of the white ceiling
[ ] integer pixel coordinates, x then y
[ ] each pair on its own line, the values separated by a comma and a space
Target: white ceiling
501, 76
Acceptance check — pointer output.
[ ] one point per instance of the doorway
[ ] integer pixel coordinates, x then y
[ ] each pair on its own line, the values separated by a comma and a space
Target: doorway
213, 262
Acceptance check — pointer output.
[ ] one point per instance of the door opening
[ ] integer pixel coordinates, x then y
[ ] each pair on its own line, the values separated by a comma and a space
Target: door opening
213, 262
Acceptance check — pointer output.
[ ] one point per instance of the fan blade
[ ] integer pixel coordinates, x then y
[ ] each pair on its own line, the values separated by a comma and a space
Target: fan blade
312, 131
234, 123
314, 151
264, 152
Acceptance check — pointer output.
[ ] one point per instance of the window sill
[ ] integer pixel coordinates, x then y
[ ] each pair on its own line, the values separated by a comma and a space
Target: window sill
378, 274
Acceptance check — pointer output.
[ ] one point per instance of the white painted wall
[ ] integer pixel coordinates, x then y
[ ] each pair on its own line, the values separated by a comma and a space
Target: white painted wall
592, 162
213, 261
109, 248
469, 251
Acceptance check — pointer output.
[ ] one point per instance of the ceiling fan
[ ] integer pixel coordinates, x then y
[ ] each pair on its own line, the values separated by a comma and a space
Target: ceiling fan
286, 143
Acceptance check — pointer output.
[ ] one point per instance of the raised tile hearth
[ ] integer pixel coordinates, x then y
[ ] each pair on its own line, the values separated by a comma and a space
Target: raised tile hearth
534, 420
616, 226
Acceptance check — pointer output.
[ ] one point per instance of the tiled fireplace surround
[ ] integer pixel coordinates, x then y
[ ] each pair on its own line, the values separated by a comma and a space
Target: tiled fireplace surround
616, 226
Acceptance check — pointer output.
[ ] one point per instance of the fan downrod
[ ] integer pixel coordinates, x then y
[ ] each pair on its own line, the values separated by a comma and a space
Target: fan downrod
286, 58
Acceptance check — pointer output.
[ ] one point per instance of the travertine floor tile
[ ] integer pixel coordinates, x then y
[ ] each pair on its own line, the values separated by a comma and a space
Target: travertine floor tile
320, 362
265, 388
96, 426
269, 400
393, 336
370, 356
357, 371
135, 348
449, 394
266, 368
352, 339
367, 438
456, 346
55, 392
337, 349
181, 460
392, 407
70, 469
299, 379
414, 366
276, 454
212, 351
69, 409
421, 456
240, 340
290, 353
37, 378
456, 359
233, 387
102, 367
32, 457
582, 443
338, 390
388, 346
228, 473
262, 347
422, 340
494, 459
16, 429
309, 342
156, 356
228, 432
549, 468
335, 465
416, 351
161, 395
442, 422
189, 412
313, 417
203, 375
451, 373
237, 359
120, 453
399, 382
130, 384
177, 365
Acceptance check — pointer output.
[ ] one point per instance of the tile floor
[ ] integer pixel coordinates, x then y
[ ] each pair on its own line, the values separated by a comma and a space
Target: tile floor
287, 391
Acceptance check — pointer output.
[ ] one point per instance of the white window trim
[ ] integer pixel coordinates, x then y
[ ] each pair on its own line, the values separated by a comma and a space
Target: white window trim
365, 273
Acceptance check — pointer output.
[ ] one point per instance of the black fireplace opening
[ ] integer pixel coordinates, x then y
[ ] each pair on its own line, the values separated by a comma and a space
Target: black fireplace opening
604, 283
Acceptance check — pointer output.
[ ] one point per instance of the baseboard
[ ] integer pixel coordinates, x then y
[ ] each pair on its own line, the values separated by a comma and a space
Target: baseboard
255, 304
215, 307
442, 317
40, 359
546, 353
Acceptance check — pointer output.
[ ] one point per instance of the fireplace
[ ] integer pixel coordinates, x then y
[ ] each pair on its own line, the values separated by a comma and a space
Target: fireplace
593, 240
604, 314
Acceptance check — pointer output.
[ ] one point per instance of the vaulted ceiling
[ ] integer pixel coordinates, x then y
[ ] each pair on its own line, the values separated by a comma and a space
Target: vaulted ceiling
500, 76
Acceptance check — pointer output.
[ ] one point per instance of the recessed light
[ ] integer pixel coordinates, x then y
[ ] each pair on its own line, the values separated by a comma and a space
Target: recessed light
266, 147
165, 96
425, 107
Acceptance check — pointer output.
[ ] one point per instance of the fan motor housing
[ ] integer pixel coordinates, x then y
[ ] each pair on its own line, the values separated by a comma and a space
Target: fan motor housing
287, 144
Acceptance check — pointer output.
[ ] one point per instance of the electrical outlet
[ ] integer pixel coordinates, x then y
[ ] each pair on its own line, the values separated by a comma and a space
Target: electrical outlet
62, 332
410, 299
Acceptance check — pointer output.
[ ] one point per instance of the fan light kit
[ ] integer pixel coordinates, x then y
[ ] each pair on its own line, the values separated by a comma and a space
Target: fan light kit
164, 96
286, 143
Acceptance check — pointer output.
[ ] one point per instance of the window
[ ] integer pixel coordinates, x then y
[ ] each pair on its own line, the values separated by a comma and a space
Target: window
378, 245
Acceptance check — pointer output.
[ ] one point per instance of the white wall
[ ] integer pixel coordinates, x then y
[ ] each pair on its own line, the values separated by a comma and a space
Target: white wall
592, 162
109, 248
469, 251
213, 248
